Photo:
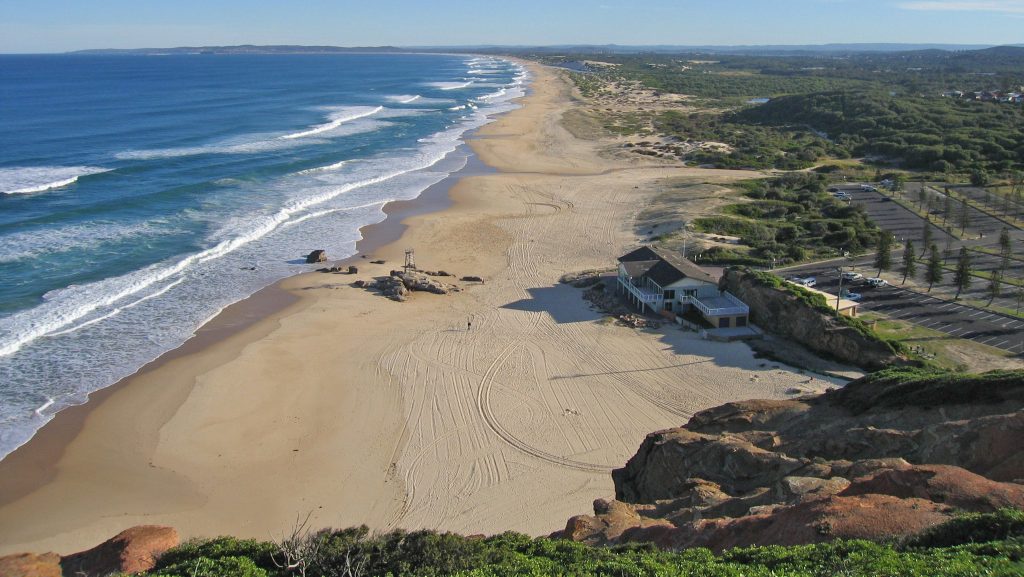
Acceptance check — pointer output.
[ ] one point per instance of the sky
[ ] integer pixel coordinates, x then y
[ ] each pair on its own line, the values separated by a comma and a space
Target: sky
63, 25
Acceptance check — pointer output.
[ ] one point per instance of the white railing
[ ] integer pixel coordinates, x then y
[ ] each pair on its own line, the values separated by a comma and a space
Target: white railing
738, 307
644, 295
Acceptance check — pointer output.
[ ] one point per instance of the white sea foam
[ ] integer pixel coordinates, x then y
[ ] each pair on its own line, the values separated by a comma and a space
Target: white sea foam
32, 179
405, 98
335, 166
451, 85
492, 96
56, 314
337, 119
33, 243
251, 144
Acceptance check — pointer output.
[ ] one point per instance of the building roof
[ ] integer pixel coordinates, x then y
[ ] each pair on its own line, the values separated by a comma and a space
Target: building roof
662, 267
638, 268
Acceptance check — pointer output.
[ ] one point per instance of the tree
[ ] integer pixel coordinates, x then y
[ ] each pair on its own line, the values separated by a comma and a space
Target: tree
965, 217
922, 195
1005, 247
947, 208
883, 258
933, 273
962, 274
926, 236
909, 261
995, 285
899, 182
979, 177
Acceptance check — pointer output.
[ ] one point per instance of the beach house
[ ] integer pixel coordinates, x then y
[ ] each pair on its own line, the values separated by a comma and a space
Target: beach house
658, 281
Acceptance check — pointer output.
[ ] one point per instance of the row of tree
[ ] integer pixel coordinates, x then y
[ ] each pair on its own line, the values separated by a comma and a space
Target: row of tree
934, 270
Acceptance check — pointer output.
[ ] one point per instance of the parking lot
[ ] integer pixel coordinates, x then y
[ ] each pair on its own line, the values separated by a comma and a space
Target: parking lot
941, 314
955, 319
983, 232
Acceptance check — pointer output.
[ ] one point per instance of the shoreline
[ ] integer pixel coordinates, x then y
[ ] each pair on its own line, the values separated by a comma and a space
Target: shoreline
360, 410
38, 456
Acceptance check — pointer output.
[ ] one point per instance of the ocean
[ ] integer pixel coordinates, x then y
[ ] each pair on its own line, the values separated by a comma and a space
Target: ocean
140, 195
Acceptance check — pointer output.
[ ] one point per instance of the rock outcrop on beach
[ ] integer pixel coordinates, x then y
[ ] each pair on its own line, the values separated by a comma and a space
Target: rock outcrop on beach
131, 551
890, 454
784, 313
399, 284
316, 256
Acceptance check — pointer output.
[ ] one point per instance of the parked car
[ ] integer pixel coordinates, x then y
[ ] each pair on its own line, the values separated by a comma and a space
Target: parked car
868, 188
875, 282
855, 297
809, 281
833, 189
850, 275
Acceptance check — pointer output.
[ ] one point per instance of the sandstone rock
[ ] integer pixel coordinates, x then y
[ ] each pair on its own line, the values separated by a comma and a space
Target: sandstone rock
613, 518
862, 517
316, 256
377, 262
783, 313
746, 415
132, 551
359, 284
666, 460
353, 270
799, 489
777, 472
942, 484
30, 565
472, 279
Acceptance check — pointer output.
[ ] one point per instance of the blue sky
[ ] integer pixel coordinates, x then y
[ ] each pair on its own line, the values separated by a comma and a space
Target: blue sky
60, 25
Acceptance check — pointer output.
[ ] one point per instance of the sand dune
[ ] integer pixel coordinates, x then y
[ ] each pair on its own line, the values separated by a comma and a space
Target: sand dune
363, 410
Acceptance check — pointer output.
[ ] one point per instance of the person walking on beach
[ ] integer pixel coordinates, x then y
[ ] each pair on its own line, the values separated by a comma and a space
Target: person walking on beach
469, 324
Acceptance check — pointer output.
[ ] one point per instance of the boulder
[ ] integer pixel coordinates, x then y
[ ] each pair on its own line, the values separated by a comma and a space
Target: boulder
472, 279
132, 551
319, 255
941, 484
353, 270
667, 459
30, 565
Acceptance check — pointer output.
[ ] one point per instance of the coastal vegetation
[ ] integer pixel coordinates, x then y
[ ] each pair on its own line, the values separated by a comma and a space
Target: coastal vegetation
935, 111
974, 544
988, 544
788, 219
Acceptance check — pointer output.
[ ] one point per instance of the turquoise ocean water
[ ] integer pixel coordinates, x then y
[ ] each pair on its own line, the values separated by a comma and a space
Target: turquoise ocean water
140, 195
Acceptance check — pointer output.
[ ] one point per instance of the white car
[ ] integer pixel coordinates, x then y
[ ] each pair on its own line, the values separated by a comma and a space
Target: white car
850, 275
875, 282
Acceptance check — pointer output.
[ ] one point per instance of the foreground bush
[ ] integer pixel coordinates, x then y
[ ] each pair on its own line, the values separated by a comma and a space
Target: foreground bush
991, 544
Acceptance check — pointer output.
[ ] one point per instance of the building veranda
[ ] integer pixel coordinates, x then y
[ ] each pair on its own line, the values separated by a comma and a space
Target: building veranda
659, 282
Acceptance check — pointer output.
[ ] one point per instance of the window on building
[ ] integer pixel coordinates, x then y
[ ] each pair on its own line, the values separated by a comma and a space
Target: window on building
670, 294
741, 321
668, 305
723, 323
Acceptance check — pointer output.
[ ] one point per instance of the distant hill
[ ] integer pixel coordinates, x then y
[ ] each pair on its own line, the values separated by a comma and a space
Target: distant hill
242, 49
768, 50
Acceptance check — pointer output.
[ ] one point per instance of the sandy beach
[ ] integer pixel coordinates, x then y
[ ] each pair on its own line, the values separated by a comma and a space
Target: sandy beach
338, 402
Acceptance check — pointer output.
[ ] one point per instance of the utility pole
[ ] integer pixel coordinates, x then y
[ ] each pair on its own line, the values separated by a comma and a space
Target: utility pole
840, 292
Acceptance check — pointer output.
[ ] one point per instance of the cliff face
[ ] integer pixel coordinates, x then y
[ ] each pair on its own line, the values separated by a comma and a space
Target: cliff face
783, 313
823, 467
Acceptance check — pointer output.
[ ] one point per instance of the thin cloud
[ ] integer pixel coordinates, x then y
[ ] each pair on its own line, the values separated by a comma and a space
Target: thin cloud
1002, 6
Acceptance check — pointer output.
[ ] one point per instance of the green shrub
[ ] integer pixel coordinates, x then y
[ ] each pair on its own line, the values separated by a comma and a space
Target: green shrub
1002, 525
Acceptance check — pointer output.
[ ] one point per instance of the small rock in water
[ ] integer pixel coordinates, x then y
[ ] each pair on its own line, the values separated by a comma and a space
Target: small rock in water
319, 255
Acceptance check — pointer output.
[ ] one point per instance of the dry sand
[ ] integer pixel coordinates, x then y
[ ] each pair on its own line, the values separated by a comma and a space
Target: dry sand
363, 410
